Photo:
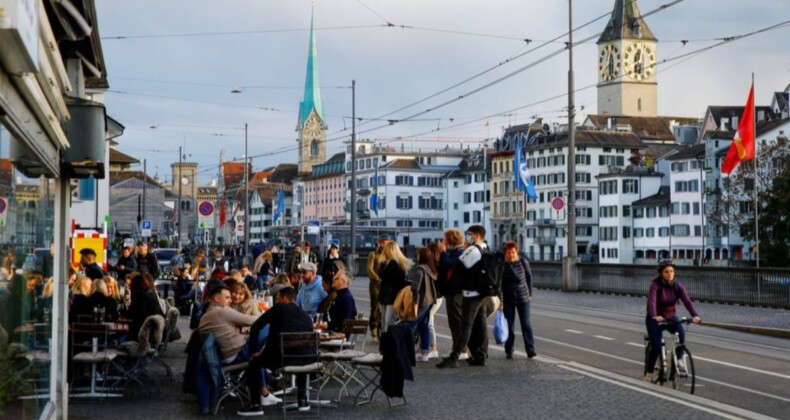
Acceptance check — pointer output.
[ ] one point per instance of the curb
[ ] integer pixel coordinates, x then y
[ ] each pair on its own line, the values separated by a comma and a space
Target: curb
770, 332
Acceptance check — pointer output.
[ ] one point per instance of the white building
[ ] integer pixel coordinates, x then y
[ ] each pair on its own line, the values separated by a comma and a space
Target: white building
650, 228
686, 177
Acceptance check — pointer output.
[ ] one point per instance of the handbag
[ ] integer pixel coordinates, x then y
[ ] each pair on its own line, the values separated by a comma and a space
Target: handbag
500, 328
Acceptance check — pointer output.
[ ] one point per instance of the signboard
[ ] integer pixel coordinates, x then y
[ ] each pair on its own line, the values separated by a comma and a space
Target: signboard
146, 228
240, 230
3, 212
19, 35
557, 203
313, 227
88, 239
206, 215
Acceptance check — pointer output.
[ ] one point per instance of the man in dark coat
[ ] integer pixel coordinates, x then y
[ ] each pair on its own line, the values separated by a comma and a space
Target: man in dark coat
146, 261
127, 263
88, 264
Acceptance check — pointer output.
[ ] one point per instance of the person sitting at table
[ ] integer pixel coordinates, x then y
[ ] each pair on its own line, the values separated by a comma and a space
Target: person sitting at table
248, 279
182, 285
100, 299
88, 264
80, 305
44, 302
241, 300
323, 308
145, 303
343, 307
284, 317
225, 323
312, 292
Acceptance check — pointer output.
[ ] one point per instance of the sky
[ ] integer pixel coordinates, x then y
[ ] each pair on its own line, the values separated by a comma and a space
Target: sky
192, 73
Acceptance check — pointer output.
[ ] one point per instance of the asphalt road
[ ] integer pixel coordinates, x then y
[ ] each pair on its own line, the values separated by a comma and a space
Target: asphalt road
740, 369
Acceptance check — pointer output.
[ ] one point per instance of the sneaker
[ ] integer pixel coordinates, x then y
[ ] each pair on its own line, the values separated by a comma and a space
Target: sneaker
649, 377
531, 353
681, 366
448, 362
473, 361
463, 356
303, 406
270, 400
508, 355
423, 357
250, 410
433, 354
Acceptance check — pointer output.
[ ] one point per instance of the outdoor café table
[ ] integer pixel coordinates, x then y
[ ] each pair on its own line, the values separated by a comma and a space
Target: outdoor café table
327, 336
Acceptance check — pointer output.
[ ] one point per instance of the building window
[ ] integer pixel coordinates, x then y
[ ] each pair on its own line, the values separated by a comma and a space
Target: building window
314, 148
88, 189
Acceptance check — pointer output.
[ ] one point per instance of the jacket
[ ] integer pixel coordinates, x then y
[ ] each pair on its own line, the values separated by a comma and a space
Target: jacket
449, 279
282, 317
405, 306
662, 299
310, 296
208, 373
94, 272
423, 286
143, 305
516, 283
393, 279
110, 305
397, 350
373, 265
148, 264
342, 308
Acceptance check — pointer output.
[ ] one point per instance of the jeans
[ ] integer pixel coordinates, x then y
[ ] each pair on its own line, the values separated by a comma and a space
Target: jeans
423, 327
387, 317
257, 376
431, 328
654, 332
261, 280
526, 326
454, 316
375, 310
474, 329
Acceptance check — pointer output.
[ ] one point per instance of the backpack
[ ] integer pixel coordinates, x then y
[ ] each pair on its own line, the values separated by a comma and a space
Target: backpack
405, 307
488, 272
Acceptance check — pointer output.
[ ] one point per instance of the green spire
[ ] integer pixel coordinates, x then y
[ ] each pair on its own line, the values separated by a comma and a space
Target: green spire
312, 91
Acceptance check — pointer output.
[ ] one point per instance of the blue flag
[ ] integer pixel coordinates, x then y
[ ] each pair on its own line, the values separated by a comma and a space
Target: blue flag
525, 181
280, 206
374, 196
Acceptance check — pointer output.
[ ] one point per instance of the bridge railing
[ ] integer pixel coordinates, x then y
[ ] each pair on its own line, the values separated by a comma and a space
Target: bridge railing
738, 285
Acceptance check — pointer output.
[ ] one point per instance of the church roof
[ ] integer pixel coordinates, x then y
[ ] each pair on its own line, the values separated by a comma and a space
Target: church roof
312, 93
626, 22
647, 128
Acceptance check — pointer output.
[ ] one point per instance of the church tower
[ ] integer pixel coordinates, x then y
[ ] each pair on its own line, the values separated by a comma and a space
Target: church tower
627, 64
311, 126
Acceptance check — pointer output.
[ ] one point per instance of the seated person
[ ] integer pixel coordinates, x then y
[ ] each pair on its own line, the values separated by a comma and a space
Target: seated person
80, 305
183, 285
100, 300
225, 324
312, 292
343, 307
145, 302
241, 300
284, 316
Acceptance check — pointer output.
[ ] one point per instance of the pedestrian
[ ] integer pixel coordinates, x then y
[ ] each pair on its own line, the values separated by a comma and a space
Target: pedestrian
449, 282
474, 328
146, 261
515, 295
392, 271
374, 287
332, 263
264, 269
423, 289
434, 345
127, 262
292, 267
662, 297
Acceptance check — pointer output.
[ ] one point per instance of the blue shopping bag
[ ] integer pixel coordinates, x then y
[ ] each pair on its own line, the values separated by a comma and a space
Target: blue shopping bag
500, 328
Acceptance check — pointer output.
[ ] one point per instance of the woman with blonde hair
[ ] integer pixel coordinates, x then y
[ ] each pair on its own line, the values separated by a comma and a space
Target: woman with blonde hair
392, 271
263, 269
241, 300
80, 304
101, 301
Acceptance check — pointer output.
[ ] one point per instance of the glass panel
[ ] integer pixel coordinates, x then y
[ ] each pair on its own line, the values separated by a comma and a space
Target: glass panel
26, 232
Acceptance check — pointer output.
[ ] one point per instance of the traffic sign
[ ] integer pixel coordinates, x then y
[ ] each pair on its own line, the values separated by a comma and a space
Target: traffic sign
557, 203
3, 208
146, 228
206, 215
240, 230
313, 227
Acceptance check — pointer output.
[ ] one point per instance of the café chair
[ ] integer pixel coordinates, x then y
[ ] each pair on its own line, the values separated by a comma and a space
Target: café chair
138, 355
90, 346
300, 356
340, 353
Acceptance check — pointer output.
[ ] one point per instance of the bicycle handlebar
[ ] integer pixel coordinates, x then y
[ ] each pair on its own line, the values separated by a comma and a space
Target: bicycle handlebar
683, 320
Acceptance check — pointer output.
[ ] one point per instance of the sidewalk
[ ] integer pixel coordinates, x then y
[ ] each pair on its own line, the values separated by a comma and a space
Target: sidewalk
518, 388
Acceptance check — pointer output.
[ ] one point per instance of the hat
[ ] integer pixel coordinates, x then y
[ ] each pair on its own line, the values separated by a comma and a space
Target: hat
87, 251
276, 289
308, 266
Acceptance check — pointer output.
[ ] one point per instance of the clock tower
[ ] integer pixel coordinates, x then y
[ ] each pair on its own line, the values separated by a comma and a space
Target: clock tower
311, 125
184, 177
627, 64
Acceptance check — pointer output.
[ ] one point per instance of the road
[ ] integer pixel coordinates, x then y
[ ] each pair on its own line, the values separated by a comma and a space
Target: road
606, 332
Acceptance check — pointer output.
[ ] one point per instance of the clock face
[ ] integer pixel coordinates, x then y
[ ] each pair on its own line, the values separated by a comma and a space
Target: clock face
639, 61
184, 181
609, 63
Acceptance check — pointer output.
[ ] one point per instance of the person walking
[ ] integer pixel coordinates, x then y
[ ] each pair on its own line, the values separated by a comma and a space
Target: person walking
474, 328
393, 269
374, 288
515, 295
449, 282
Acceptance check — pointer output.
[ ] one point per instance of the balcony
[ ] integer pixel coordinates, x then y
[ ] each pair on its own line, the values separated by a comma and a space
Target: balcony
546, 240
545, 222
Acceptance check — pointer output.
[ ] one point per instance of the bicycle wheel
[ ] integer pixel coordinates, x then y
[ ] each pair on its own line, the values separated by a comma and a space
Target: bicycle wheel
683, 378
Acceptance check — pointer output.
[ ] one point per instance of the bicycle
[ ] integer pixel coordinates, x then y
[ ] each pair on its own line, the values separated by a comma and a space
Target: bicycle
681, 375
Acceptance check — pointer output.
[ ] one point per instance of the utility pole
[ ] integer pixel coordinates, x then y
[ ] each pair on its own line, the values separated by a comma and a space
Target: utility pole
246, 200
178, 206
145, 183
570, 282
352, 259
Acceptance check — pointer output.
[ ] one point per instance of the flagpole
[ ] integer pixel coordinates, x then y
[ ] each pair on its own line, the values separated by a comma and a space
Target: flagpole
756, 169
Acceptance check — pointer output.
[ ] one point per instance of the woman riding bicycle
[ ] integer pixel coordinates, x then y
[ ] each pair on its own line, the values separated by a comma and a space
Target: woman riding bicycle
662, 298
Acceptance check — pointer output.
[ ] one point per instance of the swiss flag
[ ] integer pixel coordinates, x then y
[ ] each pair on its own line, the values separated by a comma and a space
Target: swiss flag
742, 147
222, 213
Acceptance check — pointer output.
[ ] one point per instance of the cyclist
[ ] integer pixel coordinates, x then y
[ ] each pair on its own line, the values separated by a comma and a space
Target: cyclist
662, 298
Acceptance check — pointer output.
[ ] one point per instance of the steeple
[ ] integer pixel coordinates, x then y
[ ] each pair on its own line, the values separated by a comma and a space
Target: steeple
312, 93
626, 23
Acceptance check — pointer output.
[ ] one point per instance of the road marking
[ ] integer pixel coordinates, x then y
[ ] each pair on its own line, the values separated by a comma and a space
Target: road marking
635, 344
574, 331
764, 372
603, 337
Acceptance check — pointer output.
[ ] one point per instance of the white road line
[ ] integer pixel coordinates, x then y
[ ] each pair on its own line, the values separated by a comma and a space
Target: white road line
635, 344
733, 365
603, 337
574, 331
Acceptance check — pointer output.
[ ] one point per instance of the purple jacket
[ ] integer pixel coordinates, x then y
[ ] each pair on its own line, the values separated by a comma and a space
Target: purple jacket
662, 299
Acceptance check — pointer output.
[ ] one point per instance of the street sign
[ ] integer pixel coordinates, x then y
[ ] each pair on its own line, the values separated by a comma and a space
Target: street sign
240, 230
3, 208
206, 215
557, 203
313, 227
146, 228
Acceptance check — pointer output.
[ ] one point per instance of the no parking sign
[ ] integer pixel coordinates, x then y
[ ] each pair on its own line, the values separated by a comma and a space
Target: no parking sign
206, 215
3, 208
